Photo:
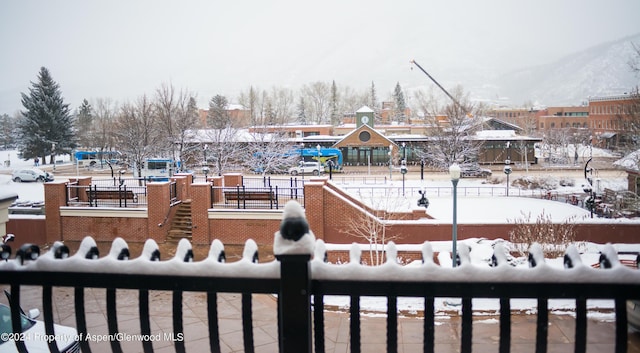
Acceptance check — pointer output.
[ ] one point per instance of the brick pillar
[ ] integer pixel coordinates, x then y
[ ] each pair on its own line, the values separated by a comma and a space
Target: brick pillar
233, 179
158, 198
55, 196
314, 207
182, 187
83, 183
200, 204
218, 182
188, 177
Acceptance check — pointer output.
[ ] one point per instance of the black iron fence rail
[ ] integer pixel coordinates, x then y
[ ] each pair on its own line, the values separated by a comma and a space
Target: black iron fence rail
298, 281
243, 197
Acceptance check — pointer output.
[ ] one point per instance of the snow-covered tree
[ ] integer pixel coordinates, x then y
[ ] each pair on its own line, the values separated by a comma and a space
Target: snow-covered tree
84, 124
8, 131
400, 103
302, 114
318, 98
47, 125
372, 224
335, 113
270, 153
223, 148
218, 116
104, 120
186, 118
450, 128
136, 131
373, 102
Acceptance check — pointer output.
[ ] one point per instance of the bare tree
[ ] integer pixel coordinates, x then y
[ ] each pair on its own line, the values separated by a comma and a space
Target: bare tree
166, 105
317, 95
372, 226
224, 148
270, 153
186, 118
250, 100
104, 119
552, 236
451, 129
135, 131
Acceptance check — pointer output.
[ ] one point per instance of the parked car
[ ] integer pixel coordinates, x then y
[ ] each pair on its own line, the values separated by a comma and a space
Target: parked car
306, 168
474, 171
33, 174
34, 334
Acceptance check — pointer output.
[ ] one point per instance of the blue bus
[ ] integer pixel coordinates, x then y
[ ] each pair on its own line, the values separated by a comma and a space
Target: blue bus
157, 169
97, 158
326, 154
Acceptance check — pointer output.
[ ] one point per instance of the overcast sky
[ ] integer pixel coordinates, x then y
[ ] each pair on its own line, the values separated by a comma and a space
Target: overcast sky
121, 49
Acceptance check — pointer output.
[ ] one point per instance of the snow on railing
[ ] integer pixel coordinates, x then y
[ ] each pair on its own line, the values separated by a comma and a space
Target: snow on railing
118, 261
301, 271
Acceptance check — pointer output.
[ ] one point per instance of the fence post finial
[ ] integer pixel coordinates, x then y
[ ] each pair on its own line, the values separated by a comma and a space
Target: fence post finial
293, 246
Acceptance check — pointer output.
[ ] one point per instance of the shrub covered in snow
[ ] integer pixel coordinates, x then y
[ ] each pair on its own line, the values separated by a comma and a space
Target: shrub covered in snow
535, 182
553, 237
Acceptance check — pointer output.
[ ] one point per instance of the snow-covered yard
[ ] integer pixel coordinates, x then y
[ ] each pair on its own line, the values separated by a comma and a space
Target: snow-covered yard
470, 209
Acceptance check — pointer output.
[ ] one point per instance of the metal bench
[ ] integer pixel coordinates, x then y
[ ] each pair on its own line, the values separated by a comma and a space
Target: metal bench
249, 195
111, 194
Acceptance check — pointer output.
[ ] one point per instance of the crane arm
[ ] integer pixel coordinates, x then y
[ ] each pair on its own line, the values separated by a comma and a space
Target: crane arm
442, 88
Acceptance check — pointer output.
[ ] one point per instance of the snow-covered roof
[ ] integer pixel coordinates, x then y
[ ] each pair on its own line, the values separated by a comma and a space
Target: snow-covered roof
237, 135
502, 135
364, 109
629, 162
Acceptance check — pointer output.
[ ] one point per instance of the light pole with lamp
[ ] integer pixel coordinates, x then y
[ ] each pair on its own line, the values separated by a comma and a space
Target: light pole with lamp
454, 173
507, 167
53, 152
507, 170
205, 166
403, 165
390, 162
319, 154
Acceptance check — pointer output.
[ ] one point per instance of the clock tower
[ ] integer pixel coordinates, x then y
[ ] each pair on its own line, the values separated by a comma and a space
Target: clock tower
364, 116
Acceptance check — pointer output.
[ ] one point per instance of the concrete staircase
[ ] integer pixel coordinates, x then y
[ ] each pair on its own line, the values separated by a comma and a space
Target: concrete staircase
181, 226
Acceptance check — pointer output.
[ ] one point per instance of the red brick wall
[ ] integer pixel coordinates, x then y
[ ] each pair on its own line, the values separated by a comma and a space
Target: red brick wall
200, 203
158, 196
326, 208
237, 231
55, 196
27, 230
105, 228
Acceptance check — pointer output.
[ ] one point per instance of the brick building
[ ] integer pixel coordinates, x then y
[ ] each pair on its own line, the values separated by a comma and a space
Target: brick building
612, 119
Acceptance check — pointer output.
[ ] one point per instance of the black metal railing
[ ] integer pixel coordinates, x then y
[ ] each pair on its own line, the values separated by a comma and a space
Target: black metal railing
243, 197
299, 280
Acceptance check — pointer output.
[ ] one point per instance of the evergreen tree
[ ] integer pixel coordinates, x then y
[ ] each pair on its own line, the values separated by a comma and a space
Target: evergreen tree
7, 131
373, 103
401, 105
47, 126
84, 125
335, 116
302, 115
218, 116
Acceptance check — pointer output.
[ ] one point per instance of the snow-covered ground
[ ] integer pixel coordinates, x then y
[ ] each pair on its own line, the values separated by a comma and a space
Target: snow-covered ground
470, 209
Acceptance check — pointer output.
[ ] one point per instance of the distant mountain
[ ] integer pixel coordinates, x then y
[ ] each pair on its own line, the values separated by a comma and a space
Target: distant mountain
597, 71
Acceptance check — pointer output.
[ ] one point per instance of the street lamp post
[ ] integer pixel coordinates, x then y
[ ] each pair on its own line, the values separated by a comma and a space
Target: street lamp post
390, 162
53, 152
507, 170
454, 173
319, 154
507, 167
403, 165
